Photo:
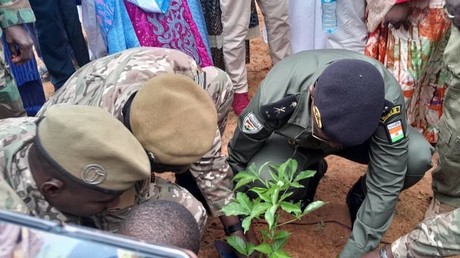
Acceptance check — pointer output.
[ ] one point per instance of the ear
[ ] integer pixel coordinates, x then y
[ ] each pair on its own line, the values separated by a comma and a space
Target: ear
52, 187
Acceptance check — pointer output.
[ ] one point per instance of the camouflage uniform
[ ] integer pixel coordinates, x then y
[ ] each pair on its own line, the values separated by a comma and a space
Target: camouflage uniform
435, 237
108, 83
18, 191
12, 12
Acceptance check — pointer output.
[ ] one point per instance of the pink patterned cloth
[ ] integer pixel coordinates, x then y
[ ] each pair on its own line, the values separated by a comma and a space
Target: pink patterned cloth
175, 30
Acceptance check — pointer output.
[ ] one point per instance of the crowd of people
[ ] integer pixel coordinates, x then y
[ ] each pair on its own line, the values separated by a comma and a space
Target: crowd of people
141, 92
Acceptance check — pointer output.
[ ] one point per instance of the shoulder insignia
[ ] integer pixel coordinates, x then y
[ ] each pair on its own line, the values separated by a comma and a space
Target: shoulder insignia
395, 131
395, 110
251, 125
280, 109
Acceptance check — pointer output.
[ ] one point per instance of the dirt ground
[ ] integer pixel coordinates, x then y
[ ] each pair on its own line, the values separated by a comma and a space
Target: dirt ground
325, 232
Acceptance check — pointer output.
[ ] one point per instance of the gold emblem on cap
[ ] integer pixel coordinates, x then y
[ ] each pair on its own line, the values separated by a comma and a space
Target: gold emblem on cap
93, 174
317, 117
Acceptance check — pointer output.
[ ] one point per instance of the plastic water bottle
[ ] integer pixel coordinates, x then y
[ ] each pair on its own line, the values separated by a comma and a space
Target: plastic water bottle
329, 16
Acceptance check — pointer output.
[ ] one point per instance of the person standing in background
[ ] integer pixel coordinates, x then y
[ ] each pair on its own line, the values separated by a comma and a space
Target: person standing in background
235, 22
59, 29
13, 13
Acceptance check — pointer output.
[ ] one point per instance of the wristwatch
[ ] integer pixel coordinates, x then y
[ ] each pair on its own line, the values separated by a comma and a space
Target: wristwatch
233, 228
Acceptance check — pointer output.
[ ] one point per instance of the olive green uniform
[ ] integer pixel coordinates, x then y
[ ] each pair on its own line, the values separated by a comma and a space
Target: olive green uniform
284, 98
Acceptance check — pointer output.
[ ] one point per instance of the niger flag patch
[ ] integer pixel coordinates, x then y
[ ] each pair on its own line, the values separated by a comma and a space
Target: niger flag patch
395, 131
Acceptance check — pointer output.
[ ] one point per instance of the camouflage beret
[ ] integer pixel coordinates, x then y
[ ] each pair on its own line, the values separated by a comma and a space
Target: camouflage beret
174, 119
91, 146
349, 98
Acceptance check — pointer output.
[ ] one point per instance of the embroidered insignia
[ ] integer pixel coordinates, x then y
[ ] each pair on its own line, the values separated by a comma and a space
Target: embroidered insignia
93, 174
317, 117
251, 125
278, 110
396, 110
395, 131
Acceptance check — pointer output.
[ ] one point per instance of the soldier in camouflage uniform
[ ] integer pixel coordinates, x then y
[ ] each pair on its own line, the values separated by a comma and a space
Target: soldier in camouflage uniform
13, 13
439, 234
110, 82
105, 168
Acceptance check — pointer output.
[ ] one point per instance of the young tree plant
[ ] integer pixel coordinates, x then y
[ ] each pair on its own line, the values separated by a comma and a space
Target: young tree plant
271, 198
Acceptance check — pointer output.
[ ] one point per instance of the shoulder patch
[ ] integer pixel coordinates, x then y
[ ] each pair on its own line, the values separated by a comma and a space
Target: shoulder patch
396, 110
395, 131
251, 125
280, 109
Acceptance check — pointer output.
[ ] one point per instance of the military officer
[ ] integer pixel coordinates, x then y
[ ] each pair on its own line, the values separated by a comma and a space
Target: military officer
322, 102
184, 137
75, 163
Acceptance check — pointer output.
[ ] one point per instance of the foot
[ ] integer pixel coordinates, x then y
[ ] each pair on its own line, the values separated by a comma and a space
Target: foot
240, 102
437, 207
355, 198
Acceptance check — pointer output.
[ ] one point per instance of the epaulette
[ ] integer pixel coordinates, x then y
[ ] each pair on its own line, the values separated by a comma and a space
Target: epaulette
279, 110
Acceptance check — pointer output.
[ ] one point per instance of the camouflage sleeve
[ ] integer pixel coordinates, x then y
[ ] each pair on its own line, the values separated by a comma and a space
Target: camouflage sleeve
14, 12
212, 173
9, 200
434, 237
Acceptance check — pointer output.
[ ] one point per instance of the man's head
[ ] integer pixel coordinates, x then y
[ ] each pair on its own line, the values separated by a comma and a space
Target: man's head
347, 102
83, 159
174, 119
164, 223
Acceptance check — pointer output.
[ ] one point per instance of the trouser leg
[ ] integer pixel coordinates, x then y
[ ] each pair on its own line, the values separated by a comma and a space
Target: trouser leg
446, 176
10, 101
235, 23
53, 42
278, 31
72, 26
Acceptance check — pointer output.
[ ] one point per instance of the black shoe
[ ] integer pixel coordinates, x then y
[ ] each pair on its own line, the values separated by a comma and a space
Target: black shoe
312, 185
187, 181
355, 198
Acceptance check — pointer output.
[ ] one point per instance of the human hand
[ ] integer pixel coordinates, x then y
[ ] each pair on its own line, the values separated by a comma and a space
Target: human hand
452, 9
397, 16
19, 43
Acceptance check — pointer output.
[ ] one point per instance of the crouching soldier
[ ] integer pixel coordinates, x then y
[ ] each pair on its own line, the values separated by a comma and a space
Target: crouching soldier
316, 103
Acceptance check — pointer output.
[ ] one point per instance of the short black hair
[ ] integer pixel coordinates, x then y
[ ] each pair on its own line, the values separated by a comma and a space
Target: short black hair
163, 222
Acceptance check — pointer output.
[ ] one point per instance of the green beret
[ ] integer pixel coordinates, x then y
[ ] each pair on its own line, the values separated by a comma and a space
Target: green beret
91, 146
174, 119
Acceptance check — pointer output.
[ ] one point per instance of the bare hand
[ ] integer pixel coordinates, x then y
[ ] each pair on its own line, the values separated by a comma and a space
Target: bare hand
19, 43
397, 16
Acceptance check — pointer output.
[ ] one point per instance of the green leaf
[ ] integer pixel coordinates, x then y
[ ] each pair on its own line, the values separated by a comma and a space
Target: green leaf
313, 206
246, 223
285, 195
264, 248
235, 209
282, 170
304, 174
245, 202
275, 196
279, 244
296, 185
238, 244
270, 216
279, 254
264, 233
281, 234
290, 207
259, 209
260, 191
244, 181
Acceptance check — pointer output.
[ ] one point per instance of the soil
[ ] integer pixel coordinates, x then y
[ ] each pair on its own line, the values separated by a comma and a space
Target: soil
325, 232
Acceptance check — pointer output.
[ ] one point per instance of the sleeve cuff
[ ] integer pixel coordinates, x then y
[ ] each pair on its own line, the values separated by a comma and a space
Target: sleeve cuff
351, 251
15, 17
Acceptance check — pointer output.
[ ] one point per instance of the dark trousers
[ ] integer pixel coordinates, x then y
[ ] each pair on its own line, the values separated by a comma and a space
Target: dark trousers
58, 27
